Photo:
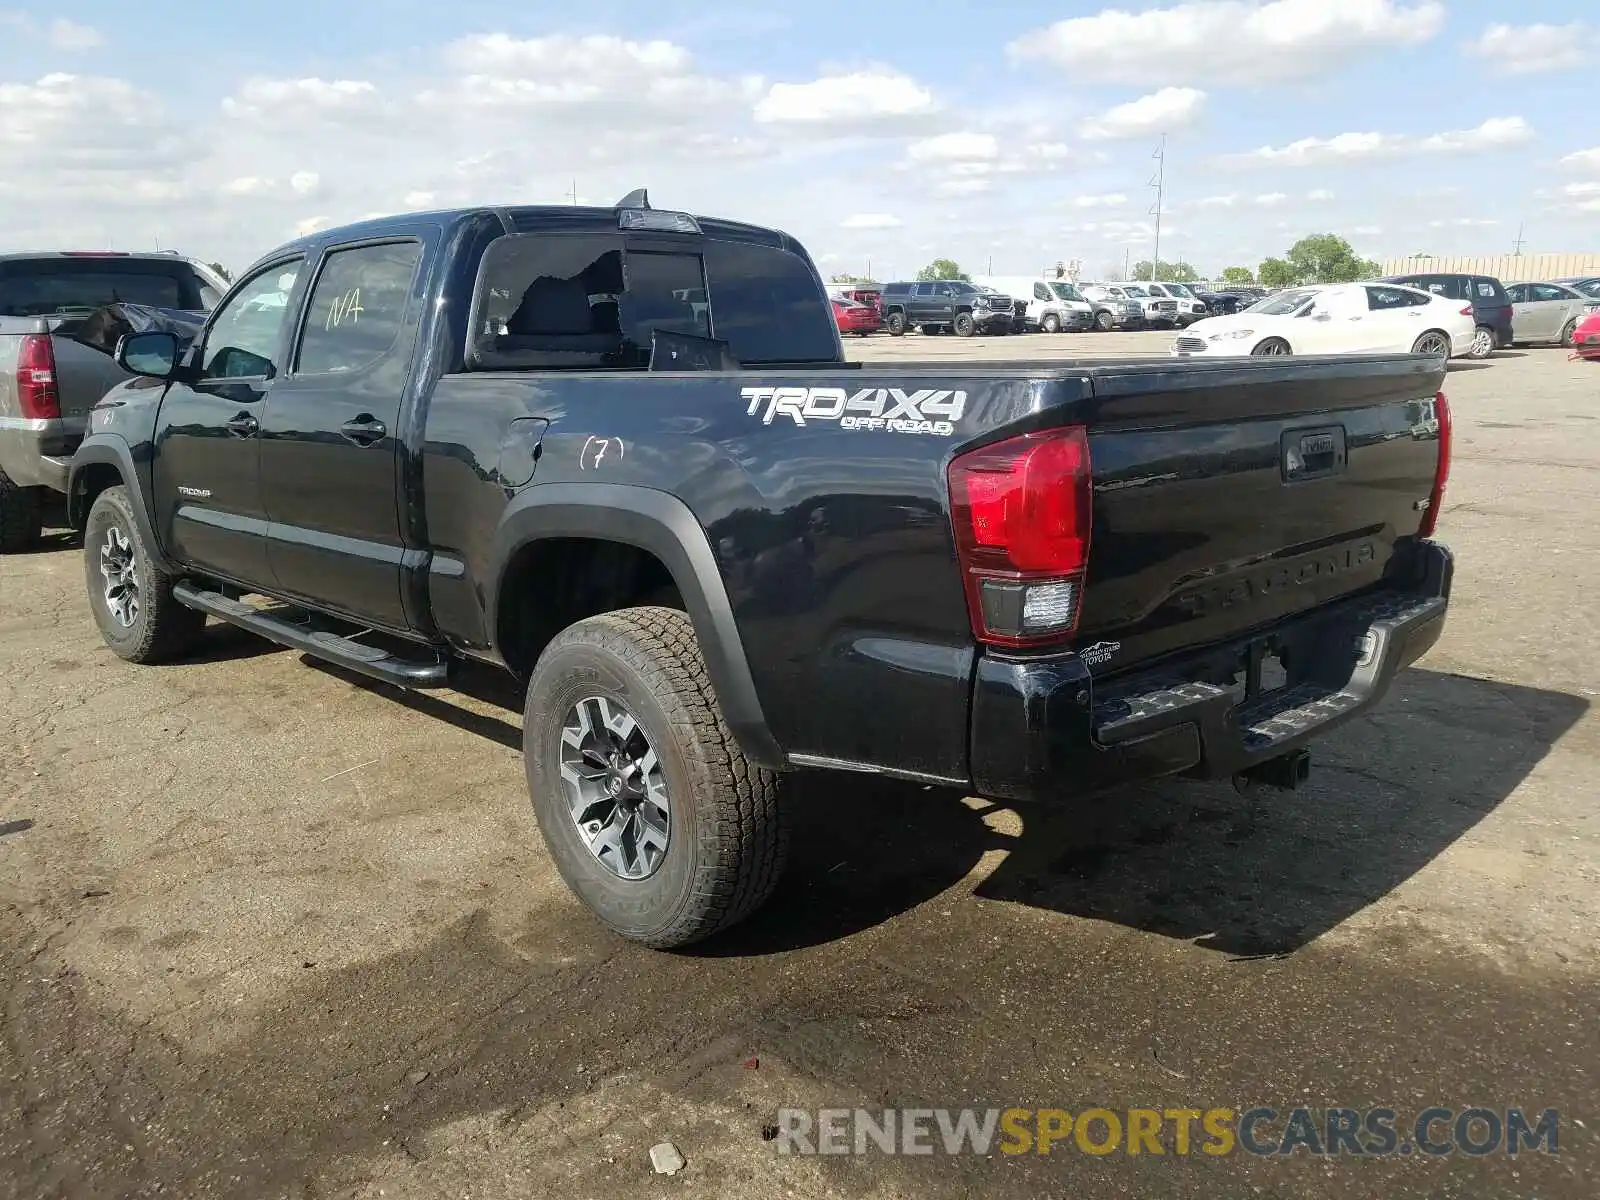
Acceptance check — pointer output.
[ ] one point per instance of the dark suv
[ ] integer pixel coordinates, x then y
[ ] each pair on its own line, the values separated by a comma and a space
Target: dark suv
953, 304
1491, 307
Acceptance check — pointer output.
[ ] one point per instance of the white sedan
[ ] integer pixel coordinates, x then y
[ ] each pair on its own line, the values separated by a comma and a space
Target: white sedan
1341, 318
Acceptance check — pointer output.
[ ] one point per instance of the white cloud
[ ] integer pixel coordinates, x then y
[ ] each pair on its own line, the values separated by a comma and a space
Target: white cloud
63, 34
1108, 200
954, 147
1520, 50
1227, 201
1586, 188
1367, 230
1582, 160
963, 187
303, 183
860, 102
419, 200
284, 101
1237, 41
1270, 199
871, 221
1494, 134
1463, 223
1319, 194
310, 225
59, 34
1160, 112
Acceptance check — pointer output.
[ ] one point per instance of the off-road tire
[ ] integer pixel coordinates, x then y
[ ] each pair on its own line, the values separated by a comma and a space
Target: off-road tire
1050, 323
728, 834
162, 629
20, 522
964, 325
895, 323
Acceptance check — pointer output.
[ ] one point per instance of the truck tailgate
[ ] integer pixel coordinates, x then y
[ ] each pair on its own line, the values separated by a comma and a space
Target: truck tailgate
1234, 495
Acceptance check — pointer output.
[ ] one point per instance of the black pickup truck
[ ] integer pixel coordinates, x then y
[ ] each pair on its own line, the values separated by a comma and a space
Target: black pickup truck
618, 452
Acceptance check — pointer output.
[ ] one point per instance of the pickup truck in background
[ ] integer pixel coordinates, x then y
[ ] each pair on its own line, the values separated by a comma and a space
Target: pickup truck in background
715, 553
49, 381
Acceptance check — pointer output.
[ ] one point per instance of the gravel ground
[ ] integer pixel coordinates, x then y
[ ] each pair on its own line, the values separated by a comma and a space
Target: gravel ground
267, 930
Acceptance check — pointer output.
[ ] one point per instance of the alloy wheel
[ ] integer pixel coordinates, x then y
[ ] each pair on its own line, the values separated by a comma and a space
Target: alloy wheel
1433, 344
615, 788
119, 568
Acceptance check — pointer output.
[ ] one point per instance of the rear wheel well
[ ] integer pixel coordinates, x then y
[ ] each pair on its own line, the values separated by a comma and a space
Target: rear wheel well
87, 485
554, 582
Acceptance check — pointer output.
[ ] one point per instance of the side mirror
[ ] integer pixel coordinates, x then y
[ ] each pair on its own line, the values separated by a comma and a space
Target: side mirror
154, 354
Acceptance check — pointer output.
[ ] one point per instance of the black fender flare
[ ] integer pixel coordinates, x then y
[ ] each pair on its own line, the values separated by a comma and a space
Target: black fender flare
663, 525
108, 449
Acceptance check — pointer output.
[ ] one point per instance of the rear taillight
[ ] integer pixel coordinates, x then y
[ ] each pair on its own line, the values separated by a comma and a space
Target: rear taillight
37, 393
1441, 470
1467, 311
1021, 511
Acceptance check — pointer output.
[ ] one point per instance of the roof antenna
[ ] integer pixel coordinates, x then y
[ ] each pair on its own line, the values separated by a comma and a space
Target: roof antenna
638, 198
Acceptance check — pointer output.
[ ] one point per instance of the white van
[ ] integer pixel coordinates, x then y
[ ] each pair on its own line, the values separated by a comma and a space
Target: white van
1053, 304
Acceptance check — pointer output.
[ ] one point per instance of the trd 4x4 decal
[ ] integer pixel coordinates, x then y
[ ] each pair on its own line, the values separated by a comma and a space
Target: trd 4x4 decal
926, 411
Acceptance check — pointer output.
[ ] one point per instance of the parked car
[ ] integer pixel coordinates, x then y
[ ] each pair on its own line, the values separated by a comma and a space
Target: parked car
1346, 318
852, 316
954, 304
1220, 304
1586, 338
48, 380
1113, 307
766, 559
1589, 285
1159, 309
1190, 307
1051, 305
862, 293
1491, 306
1547, 312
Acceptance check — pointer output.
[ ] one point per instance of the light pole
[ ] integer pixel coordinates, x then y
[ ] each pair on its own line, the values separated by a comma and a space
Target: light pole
1159, 183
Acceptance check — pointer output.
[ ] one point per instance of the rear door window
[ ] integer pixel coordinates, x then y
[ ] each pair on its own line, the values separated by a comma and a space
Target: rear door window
1488, 289
358, 307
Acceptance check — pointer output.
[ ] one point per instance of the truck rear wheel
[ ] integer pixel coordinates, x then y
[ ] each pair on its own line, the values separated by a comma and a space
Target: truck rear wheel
129, 594
647, 804
19, 516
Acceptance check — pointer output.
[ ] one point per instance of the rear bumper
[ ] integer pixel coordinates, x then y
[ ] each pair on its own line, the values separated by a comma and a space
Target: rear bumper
1046, 729
37, 452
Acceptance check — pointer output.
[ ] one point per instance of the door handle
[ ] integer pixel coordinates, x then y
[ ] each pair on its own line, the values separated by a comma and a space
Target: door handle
243, 425
364, 430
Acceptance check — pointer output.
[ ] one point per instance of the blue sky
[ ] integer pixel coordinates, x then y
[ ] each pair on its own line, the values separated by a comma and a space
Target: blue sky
1016, 134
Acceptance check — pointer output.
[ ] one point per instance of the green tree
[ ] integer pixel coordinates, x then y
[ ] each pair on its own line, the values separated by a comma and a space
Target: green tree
1237, 275
223, 272
1327, 258
941, 268
846, 277
1276, 273
1171, 272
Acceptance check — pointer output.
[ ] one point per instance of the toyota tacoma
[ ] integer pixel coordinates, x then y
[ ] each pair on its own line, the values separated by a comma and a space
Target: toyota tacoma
618, 453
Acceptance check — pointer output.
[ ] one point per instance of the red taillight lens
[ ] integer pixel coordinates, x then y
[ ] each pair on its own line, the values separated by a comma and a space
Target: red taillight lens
37, 393
1441, 471
1022, 518
1467, 311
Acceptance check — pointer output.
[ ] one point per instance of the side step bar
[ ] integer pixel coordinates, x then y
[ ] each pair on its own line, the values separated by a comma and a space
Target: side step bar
354, 656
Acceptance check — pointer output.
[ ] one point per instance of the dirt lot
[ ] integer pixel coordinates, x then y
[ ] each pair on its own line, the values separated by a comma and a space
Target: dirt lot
269, 931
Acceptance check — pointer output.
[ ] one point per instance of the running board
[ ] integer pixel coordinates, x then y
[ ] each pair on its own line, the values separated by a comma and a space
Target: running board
341, 651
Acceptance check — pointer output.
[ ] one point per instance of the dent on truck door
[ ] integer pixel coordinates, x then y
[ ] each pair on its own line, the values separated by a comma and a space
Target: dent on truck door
330, 453
206, 471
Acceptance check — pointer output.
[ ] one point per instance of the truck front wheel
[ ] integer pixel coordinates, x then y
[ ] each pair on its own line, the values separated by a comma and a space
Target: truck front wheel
895, 323
129, 594
647, 804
